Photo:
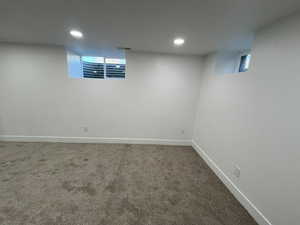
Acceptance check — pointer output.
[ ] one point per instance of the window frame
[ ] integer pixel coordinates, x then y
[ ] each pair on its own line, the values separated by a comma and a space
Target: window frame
105, 68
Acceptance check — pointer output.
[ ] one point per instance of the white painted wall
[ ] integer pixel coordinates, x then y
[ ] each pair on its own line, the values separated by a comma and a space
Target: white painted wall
74, 64
37, 97
252, 120
227, 62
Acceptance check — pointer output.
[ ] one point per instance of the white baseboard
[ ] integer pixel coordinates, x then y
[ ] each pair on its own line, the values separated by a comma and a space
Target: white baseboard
95, 140
248, 205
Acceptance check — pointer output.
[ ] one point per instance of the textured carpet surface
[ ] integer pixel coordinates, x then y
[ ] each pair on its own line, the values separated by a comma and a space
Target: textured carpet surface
111, 184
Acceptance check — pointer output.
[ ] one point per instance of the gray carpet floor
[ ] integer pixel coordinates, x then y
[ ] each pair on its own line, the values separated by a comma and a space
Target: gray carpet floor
111, 184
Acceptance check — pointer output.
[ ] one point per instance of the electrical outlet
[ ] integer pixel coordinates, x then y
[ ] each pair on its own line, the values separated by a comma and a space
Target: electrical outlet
236, 171
85, 129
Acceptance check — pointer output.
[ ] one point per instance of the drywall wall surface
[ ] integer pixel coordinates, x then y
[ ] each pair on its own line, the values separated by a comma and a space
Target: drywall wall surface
37, 97
75, 69
251, 121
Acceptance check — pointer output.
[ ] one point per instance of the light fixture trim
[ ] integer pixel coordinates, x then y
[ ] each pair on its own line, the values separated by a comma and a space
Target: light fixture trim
76, 34
178, 41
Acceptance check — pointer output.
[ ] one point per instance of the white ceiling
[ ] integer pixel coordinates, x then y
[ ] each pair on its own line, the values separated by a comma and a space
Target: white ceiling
143, 25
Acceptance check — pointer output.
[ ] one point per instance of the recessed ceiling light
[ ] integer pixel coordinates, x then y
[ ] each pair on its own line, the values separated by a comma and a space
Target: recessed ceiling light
178, 41
76, 34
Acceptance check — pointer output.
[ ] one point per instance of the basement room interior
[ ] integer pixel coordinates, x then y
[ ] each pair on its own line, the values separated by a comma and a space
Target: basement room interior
149, 112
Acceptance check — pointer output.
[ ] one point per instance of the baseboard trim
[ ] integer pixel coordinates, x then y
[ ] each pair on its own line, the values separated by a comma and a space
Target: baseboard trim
248, 205
95, 140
